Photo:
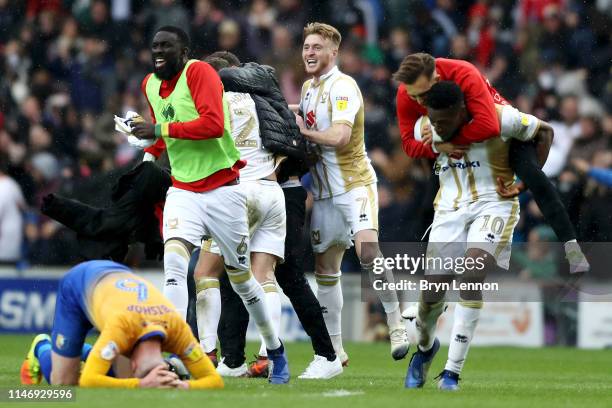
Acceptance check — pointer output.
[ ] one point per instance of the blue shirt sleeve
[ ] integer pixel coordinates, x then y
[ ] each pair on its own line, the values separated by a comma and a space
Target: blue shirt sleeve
603, 176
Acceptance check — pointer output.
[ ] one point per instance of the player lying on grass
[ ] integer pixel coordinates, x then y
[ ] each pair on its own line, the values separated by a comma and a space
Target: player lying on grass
416, 74
471, 220
134, 320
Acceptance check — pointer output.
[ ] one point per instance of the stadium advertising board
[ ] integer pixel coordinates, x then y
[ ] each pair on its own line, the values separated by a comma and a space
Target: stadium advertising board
27, 305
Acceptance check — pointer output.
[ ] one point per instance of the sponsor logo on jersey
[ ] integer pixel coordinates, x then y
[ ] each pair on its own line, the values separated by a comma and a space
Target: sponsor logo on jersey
311, 119
168, 112
341, 103
457, 165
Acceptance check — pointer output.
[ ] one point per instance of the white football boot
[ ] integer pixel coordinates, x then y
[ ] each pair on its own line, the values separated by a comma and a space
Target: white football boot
322, 369
225, 371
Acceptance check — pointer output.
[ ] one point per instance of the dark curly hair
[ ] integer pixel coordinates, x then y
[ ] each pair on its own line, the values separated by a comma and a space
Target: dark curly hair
443, 95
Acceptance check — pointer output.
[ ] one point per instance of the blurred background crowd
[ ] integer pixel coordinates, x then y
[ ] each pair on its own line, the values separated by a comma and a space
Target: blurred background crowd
67, 66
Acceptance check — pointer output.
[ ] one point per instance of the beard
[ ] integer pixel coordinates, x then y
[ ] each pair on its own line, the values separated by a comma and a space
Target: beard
168, 71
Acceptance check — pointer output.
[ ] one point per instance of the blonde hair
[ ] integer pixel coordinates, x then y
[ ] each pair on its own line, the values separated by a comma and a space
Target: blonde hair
326, 31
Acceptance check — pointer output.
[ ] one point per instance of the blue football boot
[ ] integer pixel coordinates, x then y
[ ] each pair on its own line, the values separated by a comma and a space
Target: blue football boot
449, 381
279, 366
419, 366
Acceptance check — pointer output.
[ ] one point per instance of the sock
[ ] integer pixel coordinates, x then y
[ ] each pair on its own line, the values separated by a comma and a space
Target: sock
464, 324
273, 304
387, 297
85, 351
43, 353
426, 322
329, 293
253, 297
577, 260
176, 264
208, 306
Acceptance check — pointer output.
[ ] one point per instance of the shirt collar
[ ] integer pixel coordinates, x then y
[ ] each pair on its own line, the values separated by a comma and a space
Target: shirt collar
325, 76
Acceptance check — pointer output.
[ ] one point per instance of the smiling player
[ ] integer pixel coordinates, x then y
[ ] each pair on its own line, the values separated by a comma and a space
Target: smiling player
344, 182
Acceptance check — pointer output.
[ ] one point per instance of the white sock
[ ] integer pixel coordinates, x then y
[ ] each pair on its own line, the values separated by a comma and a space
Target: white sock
208, 307
273, 303
464, 325
329, 293
252, 295
575, 256
426, 322
176, 264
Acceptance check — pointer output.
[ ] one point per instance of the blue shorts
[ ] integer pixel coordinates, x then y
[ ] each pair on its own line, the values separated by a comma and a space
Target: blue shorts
71, 321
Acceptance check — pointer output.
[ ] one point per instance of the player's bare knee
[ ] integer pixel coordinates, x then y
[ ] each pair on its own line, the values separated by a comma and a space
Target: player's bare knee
208, 266
366, 246
263, 266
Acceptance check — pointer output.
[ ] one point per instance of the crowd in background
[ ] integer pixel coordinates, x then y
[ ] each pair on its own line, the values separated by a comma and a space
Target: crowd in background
67, 66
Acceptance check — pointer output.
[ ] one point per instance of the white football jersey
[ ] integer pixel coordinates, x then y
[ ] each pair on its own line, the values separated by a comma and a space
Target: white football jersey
474, 177
245, 131
336, 98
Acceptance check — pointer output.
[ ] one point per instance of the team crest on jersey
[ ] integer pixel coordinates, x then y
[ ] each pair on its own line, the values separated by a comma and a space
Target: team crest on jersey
324, 97
316, 237
168, 112
341, 102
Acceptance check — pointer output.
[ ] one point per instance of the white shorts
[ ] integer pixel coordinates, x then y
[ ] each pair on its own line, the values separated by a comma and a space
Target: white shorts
267, 218
336, 220
220, 214
485, 225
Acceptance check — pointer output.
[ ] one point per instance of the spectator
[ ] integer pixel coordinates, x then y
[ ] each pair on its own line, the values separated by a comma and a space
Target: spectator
68, 66
566, 131
12, 205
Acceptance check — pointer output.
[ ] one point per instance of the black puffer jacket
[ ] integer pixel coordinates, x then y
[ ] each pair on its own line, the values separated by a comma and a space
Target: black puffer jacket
106, 232
278, 129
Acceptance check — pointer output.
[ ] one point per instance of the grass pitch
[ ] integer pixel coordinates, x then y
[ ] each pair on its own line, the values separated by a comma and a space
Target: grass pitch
493, 377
